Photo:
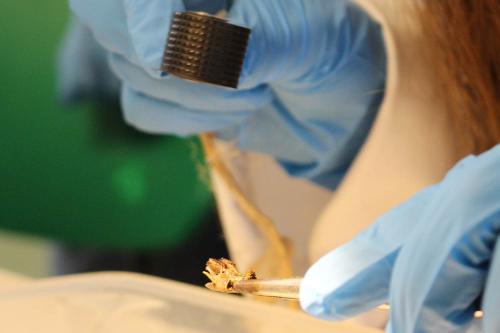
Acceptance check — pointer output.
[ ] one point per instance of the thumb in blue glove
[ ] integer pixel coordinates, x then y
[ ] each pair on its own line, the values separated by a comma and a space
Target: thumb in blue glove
431, 258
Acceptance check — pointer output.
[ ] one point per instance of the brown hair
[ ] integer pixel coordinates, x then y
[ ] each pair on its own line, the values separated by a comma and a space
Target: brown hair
464, 44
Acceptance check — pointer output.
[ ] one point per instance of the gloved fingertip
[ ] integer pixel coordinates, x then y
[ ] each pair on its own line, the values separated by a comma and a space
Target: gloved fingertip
351, 279
314, 301
321, 290
148, 23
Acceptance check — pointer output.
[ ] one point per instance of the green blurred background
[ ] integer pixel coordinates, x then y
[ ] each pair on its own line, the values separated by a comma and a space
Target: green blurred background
78, 174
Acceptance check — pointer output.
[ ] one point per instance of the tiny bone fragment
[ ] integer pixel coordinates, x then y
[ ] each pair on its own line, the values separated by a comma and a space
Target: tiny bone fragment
224, 275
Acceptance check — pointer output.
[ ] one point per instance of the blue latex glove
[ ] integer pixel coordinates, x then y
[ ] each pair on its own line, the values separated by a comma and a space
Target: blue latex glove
431, 258
311, 83
83, 72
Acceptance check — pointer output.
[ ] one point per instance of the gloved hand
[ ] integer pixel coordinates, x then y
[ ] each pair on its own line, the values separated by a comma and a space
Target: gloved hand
311, 83
83, 72
432, 258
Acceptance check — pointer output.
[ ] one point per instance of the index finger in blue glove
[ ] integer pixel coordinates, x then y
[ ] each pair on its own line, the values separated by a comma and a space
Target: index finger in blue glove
156, 116
136, 29
192, 96
441, 272
355, 277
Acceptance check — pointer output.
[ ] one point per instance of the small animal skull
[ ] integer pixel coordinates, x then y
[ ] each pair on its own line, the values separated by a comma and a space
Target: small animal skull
223, 274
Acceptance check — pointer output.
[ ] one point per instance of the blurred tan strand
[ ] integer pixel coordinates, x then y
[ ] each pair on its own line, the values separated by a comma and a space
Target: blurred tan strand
263, 223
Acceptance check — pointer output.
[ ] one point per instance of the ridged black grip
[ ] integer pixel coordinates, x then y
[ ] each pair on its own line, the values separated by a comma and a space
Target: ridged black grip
204, 48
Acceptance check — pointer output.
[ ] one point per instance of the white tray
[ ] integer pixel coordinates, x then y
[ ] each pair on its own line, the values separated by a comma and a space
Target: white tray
127, 302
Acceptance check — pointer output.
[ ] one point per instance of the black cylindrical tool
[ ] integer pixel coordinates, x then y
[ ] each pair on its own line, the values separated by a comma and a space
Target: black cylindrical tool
204, 48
